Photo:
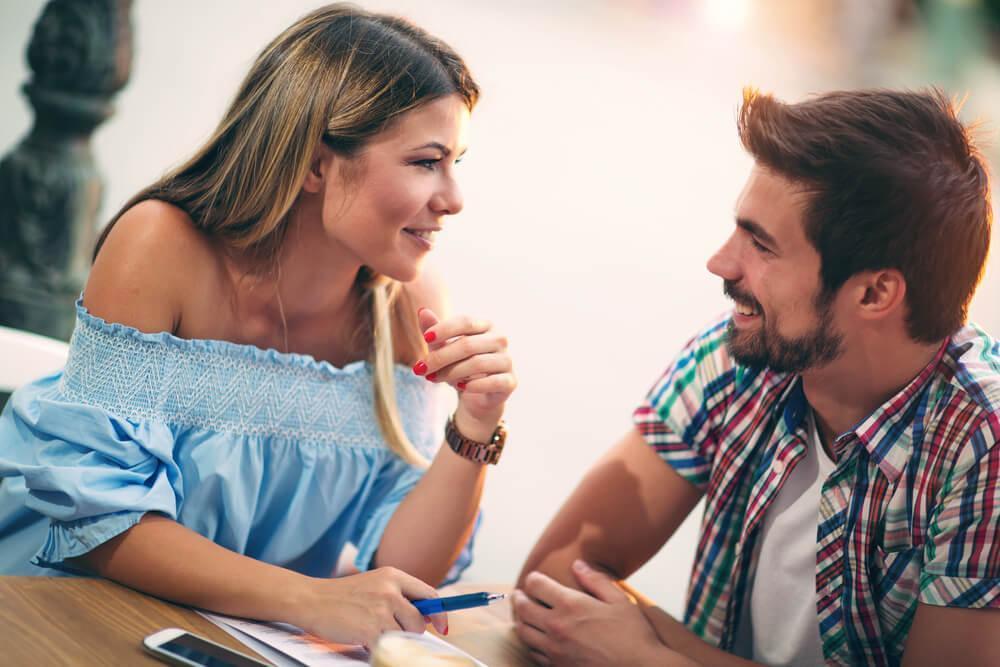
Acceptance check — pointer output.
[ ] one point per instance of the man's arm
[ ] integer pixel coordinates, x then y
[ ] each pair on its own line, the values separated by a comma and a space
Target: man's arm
957, 622
605, 625
625, 508
953, 636
675, 634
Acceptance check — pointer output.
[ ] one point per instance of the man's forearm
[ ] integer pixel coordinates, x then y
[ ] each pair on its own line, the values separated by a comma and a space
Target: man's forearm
555, 560
675, 635
620, 514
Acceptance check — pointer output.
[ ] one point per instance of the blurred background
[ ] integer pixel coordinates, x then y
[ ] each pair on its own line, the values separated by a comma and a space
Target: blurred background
602, 173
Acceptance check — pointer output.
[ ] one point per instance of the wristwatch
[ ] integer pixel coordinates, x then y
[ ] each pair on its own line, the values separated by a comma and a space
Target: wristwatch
481, 452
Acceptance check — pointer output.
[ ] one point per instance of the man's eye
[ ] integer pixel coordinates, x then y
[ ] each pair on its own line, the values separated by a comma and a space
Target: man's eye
759, 246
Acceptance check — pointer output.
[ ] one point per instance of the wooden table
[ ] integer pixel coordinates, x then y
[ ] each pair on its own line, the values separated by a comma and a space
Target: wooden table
76, 621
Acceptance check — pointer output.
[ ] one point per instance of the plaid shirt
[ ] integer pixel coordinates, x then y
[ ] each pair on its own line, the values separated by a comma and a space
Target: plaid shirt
910, 514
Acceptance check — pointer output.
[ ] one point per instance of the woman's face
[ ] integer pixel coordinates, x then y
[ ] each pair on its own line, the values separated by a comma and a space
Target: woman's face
386, 205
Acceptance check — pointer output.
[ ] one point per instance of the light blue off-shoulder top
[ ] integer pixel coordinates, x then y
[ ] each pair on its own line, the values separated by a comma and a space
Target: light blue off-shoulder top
275, 456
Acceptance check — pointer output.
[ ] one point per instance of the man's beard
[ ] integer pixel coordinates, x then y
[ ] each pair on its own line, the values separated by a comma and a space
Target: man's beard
764, 347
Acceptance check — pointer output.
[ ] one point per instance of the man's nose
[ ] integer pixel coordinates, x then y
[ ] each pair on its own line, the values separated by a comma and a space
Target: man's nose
724, 262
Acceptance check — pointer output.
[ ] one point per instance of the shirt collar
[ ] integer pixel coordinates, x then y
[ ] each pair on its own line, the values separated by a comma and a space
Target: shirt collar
887, 433
796, 407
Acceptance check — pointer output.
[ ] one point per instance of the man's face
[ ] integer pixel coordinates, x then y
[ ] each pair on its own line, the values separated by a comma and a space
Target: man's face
782, 319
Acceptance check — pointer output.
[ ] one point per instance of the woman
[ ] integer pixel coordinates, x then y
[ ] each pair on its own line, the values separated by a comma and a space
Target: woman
232, 412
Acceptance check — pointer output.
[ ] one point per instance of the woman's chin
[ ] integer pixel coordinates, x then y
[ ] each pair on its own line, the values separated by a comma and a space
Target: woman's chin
403, 272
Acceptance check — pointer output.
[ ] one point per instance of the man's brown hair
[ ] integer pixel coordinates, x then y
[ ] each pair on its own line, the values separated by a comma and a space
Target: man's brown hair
894, 181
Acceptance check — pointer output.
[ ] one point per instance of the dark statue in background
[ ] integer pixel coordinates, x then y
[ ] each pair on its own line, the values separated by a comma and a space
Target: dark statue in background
80, 55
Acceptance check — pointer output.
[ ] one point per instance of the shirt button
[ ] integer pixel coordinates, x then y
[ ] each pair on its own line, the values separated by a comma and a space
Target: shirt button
778, 467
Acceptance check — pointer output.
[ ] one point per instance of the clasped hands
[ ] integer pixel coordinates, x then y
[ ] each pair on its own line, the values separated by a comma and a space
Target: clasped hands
601, 626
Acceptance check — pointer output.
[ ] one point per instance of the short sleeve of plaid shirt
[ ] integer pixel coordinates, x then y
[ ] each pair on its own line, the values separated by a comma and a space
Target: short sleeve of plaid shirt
962, 552
680, 417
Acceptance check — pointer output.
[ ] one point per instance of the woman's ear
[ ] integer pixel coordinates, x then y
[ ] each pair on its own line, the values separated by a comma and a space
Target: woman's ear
319, 166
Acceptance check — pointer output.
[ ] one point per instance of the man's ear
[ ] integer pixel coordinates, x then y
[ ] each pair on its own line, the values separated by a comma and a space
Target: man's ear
880, 293
322, 159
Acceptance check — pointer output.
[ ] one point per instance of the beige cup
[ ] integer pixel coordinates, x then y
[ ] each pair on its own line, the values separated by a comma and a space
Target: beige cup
406, 649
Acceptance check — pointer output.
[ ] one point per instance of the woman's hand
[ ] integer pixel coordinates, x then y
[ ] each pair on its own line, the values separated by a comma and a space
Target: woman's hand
358, 608
470, 355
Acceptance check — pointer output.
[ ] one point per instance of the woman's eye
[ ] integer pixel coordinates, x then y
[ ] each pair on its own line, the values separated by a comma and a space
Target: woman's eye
429, 163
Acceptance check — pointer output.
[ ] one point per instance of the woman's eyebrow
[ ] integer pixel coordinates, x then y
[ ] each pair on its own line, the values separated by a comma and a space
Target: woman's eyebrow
439, 146
435, 144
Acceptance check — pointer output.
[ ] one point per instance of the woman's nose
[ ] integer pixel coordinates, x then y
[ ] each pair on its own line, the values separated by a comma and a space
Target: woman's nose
448, 200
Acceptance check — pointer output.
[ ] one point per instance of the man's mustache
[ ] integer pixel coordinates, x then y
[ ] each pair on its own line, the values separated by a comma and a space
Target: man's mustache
730, 289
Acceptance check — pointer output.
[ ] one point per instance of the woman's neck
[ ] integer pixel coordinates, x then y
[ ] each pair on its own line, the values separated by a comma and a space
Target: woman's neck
311, 275
304, 299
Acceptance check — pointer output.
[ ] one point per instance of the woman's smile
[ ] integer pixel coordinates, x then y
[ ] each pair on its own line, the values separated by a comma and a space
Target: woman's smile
422, 236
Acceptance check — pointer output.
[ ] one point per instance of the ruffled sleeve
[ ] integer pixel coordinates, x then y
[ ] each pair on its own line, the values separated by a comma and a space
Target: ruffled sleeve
390, 487
92, 473
276, 456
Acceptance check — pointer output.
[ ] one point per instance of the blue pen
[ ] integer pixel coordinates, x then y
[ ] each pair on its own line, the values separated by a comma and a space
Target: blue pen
456, 602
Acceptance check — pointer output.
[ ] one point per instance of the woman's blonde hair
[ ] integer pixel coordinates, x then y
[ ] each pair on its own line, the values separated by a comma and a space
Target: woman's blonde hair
339, 75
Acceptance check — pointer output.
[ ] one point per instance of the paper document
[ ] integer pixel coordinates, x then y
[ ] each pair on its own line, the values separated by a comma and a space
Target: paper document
288, 646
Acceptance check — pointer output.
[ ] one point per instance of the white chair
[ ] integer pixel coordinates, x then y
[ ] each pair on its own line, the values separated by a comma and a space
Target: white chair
25, 356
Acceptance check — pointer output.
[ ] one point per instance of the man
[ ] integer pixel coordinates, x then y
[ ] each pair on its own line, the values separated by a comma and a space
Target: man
841, 423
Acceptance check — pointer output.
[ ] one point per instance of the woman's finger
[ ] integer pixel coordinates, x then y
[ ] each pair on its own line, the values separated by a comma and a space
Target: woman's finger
502, 383
462, 348
439, 621
480, 365
427, 319
462, 325
410, 618
411, 587
389, 623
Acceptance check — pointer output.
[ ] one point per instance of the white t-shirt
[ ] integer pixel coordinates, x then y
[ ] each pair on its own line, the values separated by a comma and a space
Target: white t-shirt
779, 625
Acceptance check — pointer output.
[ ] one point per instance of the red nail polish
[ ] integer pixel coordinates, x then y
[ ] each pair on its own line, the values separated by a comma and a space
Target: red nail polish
430, 336
420, 368
432, 376
461, 386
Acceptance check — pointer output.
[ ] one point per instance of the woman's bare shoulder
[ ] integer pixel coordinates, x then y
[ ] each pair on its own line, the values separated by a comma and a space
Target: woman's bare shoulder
152, 264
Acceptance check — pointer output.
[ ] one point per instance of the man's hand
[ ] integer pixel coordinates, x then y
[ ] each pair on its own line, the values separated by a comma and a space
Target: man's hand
563, 626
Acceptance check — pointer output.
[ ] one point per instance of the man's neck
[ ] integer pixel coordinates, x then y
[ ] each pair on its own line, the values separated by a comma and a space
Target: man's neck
871, 372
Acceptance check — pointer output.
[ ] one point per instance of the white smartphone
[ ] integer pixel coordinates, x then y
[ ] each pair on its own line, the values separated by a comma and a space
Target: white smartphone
180, 647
